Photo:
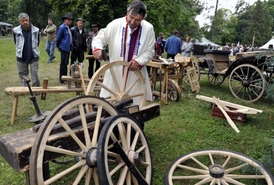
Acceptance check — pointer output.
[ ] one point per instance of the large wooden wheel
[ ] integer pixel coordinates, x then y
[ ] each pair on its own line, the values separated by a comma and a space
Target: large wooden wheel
123, 153
71, 131
246, 82
127, 84
217, 167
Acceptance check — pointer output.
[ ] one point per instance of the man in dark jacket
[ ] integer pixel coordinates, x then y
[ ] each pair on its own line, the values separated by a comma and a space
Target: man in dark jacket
78, 42
63, 44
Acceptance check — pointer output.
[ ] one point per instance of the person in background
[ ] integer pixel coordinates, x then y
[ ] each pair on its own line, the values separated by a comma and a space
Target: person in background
187, 47
50, 30
157, 50
161, 42
131, 39
173, 45
91, 35
26, 39
64, 45
79, 38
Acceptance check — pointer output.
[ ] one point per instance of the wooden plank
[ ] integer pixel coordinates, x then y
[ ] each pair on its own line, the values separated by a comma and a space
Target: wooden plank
44, 86
220, 103
193, 79
25, 90
229, 104
156, 65
14, 109
229, 120
89, 57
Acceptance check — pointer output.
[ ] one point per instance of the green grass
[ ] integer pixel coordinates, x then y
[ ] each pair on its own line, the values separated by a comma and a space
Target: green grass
182, 126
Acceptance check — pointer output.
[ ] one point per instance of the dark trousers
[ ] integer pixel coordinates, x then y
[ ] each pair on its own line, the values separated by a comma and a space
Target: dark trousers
91, 64
79, 54
170, 56
63, 64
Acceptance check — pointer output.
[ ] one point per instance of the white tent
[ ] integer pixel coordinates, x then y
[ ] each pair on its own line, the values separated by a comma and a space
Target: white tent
270, 42
5, 24
205, 42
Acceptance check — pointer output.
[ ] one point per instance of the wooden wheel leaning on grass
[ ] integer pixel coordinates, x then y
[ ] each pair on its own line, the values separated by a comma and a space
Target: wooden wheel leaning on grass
216, 167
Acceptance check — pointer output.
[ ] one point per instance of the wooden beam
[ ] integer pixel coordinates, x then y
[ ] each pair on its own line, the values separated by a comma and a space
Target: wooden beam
44, 86
229, 104
229, 120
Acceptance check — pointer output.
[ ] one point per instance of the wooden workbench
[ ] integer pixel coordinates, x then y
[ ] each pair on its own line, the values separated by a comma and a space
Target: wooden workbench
171, 71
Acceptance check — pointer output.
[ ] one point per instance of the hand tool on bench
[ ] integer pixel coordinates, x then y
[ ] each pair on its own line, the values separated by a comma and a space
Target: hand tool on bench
39, 117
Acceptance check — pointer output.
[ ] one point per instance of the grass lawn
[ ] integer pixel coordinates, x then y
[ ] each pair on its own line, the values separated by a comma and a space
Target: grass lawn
182, 126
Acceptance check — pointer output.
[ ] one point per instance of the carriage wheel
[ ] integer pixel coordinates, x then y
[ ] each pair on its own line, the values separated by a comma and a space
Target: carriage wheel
124, 87
197, 70
216, 167
215, 79
174, 91
71, 131
247, 82
123, 133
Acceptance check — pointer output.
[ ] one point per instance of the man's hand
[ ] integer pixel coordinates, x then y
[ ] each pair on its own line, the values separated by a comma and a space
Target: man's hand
97, 54
133, 65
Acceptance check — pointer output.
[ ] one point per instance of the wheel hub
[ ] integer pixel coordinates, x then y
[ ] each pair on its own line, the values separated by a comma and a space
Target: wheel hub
216, 171
91, 157
245, 83
122, 96
135, 157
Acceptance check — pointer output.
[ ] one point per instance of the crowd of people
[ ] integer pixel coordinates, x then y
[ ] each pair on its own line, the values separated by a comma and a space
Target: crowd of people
71, 42
122, 37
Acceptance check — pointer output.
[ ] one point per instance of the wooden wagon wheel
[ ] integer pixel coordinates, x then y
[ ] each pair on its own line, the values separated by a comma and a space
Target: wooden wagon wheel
77, 122
125, 85
174, 91
246, 82
217, 167
123, 153
215, 79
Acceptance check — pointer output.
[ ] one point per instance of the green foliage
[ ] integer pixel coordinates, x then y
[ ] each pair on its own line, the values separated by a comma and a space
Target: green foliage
259, 25
268, 71
38, 11
225, 27
3, 10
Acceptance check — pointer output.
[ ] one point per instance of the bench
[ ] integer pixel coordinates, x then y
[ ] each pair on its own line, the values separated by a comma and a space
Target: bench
20, 91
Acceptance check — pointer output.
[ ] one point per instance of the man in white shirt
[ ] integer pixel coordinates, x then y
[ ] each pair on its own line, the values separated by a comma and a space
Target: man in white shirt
132, 39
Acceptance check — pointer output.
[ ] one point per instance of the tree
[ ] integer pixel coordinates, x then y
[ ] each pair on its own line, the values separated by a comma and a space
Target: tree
260, 26
3, 10
225, 27
269, 6
38, 11
165, 16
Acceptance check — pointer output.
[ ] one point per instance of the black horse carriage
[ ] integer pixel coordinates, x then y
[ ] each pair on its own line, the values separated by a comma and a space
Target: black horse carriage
248, 74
